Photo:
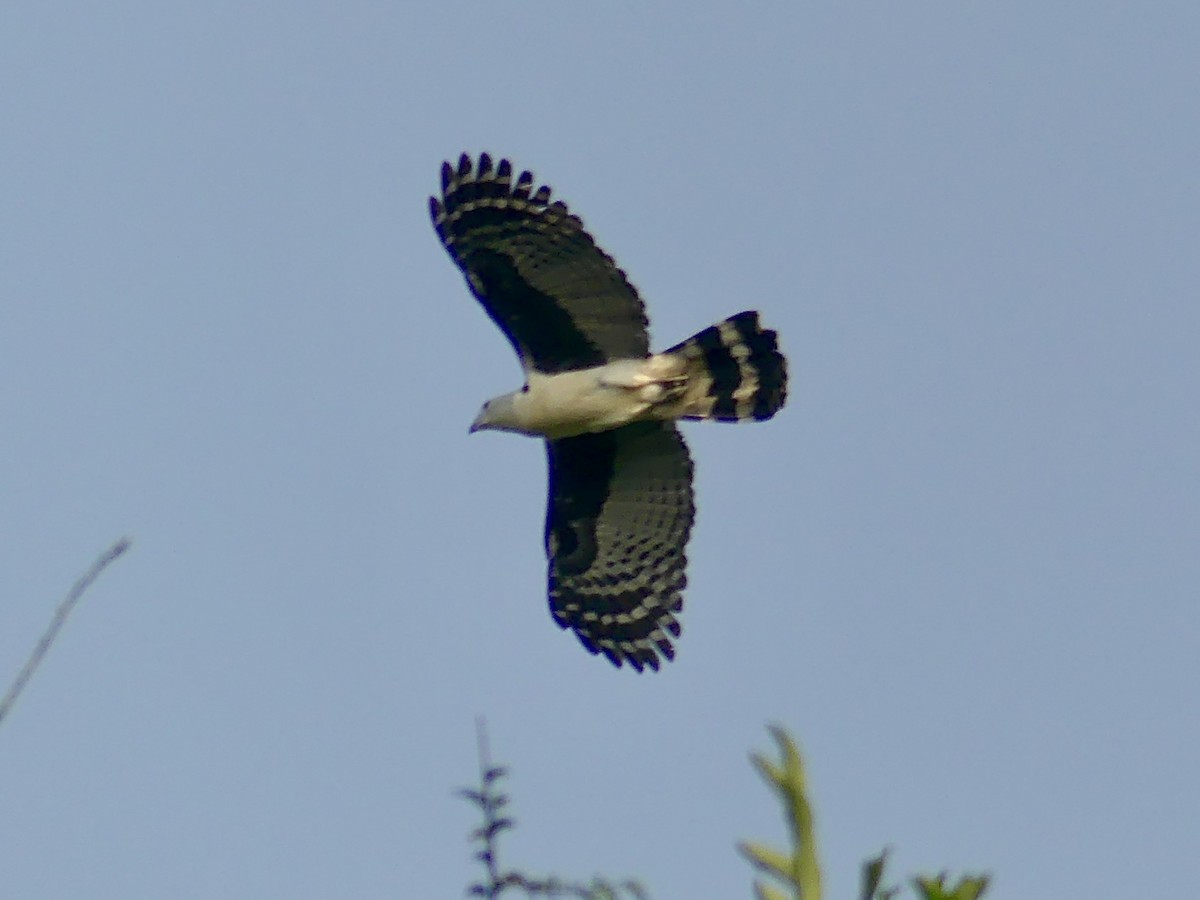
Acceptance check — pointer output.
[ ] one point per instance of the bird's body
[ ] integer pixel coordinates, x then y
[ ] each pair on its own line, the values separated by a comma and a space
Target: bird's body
620, 510
567, 404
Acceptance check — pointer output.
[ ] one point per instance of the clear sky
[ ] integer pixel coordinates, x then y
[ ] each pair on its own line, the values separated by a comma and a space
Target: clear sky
962, 566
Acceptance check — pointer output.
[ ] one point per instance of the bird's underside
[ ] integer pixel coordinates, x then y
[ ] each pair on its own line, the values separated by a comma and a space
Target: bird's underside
620, 507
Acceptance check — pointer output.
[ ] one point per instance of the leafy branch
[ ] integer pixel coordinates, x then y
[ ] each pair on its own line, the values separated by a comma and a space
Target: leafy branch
969, 887
798, 870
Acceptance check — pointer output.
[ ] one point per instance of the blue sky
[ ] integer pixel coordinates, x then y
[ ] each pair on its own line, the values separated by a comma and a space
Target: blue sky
961, 565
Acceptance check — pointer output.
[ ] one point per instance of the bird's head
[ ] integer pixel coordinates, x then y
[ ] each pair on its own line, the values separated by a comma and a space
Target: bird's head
498, 414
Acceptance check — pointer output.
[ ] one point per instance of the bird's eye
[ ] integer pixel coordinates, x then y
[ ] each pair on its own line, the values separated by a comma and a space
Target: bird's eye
524, 389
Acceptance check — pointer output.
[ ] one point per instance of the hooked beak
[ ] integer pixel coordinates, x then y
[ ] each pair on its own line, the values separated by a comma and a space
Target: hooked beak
477, 425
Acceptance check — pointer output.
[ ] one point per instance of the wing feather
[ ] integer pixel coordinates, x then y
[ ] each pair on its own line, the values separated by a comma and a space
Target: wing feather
617, 525
559, 298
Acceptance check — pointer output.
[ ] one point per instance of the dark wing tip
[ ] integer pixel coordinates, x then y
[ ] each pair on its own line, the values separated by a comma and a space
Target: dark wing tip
617, 659
639, 655
469, 180
524, 183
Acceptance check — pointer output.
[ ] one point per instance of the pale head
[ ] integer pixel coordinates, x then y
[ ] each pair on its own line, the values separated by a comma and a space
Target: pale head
499, 414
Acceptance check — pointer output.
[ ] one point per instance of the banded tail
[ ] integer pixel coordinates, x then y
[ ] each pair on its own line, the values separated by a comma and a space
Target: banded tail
734, 372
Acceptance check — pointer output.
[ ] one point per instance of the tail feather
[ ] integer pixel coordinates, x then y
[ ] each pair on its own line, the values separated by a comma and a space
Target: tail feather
735, 371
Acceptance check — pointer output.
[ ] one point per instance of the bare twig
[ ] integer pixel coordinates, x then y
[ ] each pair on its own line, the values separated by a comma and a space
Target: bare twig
56, 624
491, 803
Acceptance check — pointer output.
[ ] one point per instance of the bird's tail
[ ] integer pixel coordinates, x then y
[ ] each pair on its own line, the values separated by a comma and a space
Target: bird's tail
734, 372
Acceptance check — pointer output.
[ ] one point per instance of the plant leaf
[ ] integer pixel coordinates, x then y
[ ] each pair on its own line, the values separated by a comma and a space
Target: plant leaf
768, 860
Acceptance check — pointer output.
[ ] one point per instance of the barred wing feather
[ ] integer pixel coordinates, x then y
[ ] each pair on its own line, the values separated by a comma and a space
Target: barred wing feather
619, 516
559, 298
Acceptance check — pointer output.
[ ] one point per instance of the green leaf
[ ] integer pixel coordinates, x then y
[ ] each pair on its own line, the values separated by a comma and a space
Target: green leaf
768, 860
873, 876
766, 892
969, 887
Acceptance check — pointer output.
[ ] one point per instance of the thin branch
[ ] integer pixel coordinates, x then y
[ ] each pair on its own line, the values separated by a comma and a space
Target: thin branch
60, 617
490, 803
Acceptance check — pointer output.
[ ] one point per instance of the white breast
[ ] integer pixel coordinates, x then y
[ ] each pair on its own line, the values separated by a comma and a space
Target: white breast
586, 400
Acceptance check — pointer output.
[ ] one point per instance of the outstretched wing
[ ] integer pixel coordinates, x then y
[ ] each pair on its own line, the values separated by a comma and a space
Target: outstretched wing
617, 525
561, 300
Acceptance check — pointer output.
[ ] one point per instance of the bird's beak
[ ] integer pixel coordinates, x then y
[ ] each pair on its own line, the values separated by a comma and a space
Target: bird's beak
476, 425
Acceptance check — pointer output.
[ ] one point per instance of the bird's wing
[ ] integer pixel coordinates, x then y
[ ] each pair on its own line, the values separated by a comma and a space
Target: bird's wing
561, 300
617, 525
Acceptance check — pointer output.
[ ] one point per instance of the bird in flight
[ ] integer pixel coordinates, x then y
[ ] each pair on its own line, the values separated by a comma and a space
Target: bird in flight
620, 508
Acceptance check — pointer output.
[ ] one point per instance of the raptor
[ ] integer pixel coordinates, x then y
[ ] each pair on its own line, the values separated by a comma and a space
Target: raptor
620, 507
